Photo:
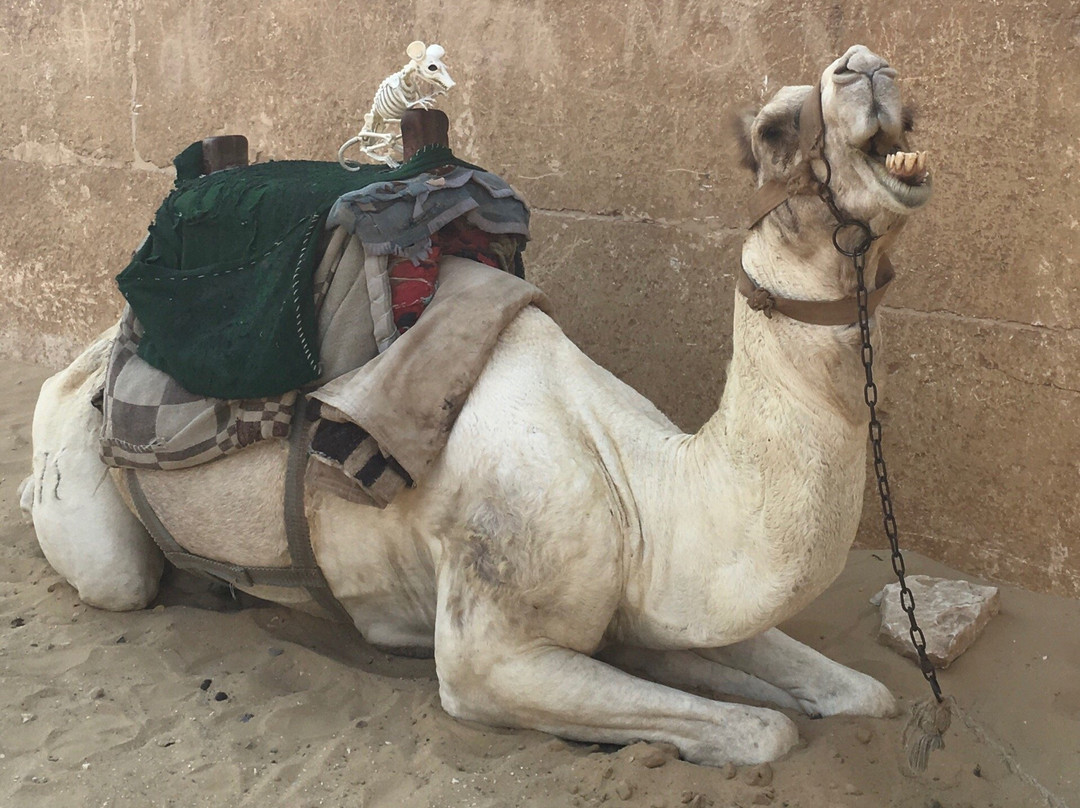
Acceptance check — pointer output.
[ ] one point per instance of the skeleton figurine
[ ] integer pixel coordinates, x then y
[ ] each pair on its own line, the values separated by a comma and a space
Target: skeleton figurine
397, 93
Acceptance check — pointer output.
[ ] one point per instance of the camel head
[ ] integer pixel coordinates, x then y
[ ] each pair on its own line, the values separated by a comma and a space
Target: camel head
861, 131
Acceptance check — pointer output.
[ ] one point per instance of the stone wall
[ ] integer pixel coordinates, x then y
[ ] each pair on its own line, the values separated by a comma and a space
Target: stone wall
612, 119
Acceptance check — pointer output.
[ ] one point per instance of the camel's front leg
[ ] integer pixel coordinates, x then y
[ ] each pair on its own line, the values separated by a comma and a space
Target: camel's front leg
689, 670
819, 685
490, 672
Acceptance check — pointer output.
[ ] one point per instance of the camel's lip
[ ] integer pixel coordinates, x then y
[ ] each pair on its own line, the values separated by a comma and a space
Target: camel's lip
911, 189
911, 192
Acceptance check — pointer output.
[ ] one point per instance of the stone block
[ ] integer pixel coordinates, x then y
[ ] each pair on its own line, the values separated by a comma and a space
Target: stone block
67, 231
66, 84
581, 116
951, 614
651, 304
982, 447
295, 79
1001, 238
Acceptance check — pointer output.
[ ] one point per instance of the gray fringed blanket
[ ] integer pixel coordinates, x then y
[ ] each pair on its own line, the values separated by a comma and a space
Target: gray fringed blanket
405, 401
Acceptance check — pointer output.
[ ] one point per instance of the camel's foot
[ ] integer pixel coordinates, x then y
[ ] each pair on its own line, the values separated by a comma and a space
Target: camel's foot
82, 525
569, 694
818, 685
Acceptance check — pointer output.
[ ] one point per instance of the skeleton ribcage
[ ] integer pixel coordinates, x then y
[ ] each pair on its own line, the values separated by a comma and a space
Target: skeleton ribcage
391, 100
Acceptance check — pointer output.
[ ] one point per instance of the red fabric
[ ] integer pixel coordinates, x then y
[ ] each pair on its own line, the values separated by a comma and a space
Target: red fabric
412, 285
411, 288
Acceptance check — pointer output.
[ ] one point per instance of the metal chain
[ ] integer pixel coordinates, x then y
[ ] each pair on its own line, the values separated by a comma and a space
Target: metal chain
857, 254
870, 394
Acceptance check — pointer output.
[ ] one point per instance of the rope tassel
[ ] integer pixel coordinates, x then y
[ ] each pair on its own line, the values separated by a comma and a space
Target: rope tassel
925, 730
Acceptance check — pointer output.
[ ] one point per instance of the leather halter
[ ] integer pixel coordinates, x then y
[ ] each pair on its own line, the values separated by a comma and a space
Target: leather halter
815, 312
772, 195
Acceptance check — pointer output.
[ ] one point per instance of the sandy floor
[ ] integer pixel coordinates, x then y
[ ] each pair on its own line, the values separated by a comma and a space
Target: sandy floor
200, 702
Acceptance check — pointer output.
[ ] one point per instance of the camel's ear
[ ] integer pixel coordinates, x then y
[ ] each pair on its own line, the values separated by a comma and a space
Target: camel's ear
742, 123
416, 50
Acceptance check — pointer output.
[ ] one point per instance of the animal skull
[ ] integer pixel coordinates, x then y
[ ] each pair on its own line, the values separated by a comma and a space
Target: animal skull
429, 65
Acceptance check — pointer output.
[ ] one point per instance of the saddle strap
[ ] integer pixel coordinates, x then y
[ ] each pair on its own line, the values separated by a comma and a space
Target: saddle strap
301, 553
304, 571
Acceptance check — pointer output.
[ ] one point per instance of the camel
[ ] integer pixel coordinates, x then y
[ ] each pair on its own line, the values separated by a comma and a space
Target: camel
575, 563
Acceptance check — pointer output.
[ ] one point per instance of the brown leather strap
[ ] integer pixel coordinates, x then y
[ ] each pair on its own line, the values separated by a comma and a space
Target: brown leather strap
766, 199
815, 312
775, 193
301, 553
811, 124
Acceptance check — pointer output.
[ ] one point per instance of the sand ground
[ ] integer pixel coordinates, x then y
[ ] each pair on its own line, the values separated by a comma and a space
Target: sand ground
203, 701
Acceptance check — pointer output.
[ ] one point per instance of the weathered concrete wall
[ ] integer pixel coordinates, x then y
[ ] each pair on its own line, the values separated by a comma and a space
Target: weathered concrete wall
611, 117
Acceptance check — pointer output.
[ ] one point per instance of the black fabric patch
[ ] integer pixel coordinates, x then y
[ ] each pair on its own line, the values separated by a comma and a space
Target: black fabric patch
337, 440
372, 470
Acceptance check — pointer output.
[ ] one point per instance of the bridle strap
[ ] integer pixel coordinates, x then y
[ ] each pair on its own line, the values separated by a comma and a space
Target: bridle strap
766, 199
811, 124
815, 312
775, 193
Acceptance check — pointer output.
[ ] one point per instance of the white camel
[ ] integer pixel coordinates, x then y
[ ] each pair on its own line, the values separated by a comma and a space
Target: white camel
574, 560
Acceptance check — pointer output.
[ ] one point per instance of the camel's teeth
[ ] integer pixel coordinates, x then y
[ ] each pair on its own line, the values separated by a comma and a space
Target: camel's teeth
911, 167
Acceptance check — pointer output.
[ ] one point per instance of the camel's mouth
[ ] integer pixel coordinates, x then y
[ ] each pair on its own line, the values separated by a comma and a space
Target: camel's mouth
905, 175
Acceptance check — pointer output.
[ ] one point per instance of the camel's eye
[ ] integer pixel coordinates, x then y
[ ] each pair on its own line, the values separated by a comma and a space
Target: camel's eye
771, 134
432, 68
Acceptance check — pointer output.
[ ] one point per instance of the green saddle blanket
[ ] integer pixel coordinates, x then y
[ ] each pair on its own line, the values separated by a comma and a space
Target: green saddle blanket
222, 286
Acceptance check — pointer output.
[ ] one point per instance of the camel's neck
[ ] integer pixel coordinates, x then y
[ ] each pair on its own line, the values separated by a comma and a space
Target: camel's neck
765, 499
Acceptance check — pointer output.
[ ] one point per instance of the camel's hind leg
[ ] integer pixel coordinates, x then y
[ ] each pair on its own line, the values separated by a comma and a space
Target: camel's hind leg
82, 525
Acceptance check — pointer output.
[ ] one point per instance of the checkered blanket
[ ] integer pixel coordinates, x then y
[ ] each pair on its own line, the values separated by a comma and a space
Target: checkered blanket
151, 422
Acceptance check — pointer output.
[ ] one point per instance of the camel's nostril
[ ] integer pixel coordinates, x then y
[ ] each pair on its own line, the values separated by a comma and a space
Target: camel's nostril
846, 76
866, 62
